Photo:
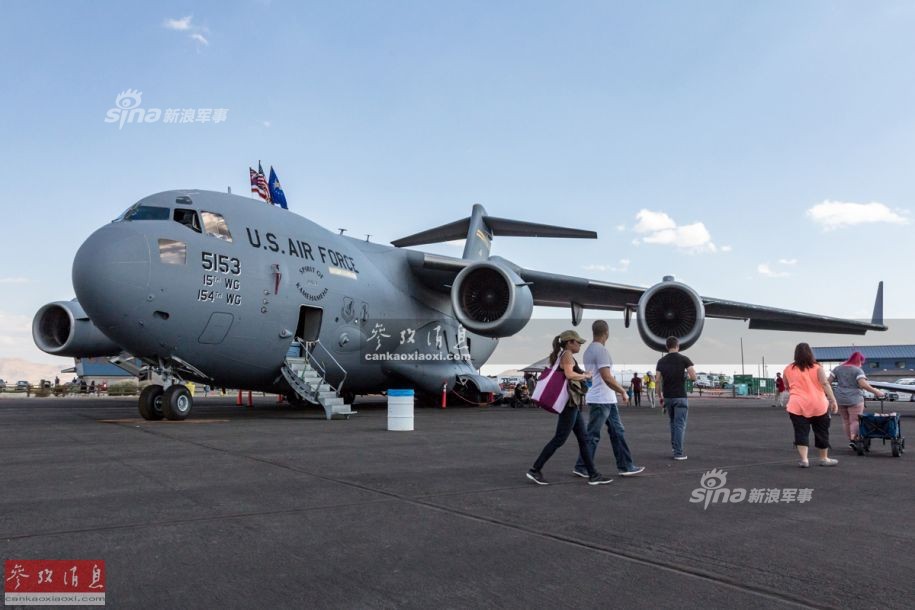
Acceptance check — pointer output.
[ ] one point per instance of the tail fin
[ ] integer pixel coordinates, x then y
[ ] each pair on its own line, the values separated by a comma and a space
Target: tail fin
877, 317
479, 230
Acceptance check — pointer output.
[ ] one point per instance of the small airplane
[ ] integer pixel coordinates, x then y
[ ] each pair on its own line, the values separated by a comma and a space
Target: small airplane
900, 385
209, 287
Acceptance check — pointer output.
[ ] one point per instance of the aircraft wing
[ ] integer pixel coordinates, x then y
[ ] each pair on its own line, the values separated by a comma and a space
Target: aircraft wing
564, 291
896, 387
555, 290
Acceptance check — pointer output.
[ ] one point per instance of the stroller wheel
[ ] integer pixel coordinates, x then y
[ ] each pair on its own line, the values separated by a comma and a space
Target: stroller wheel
896, 449
859, 447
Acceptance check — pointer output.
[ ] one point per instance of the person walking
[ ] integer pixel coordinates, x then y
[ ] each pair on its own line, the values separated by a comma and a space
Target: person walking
809, 403
603, 409
636, 383
565, 346
649, 388
779, 388
850, 385
672, 371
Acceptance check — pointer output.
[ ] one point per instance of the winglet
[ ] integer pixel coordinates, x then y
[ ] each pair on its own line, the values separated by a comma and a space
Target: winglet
877, 318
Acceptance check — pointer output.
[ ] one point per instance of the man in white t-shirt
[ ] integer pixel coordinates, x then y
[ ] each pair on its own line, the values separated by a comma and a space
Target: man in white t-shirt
602, 400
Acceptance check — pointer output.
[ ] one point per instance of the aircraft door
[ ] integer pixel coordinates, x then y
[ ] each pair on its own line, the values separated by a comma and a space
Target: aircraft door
308, 328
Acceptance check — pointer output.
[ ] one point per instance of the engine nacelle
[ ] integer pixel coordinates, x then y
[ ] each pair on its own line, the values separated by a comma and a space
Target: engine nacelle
491, 300
670, 309
63, 329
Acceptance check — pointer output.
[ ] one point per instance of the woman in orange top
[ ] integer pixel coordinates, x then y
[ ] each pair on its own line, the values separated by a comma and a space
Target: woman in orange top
809, 403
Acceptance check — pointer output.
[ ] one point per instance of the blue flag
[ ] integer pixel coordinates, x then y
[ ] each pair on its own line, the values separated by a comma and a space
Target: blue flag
276, 191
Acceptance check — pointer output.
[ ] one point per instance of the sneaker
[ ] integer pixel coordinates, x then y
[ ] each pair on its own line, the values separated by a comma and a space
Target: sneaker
580, 473
598, 479
632, 472
803, 464
829, 462
536, 477
680, 458
853, 446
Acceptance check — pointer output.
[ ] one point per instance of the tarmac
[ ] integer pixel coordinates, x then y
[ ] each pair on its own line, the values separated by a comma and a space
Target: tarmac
276, 507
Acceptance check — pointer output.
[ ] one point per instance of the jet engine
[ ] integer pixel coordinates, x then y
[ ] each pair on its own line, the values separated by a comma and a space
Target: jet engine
62, 328
490, 299
670, 309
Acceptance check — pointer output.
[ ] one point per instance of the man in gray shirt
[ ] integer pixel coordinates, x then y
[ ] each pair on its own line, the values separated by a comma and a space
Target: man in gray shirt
602, 400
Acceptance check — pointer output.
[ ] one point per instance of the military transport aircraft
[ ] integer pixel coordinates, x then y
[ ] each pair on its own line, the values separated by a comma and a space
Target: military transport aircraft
210, 287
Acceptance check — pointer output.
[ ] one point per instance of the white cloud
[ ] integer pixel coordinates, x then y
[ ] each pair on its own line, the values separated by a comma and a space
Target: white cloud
787, 261
764, 270
181, 25
621, 267
266, 124
649, 222
659, 228
621, 227
15, 280
186, 24
726, 248
837, 214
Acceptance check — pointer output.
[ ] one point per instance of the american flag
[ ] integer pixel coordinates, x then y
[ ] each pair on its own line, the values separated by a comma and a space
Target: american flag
253, 175
263, 190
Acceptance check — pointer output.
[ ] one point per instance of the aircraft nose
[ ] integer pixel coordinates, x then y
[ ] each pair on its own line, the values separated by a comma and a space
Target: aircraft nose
112, 268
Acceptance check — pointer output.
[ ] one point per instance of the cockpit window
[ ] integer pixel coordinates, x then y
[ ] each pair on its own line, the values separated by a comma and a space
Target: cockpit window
145, 212
188, 218
214, 224
172, 252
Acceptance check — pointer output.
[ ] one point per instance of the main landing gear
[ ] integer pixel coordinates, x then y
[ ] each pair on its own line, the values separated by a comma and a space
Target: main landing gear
174, 402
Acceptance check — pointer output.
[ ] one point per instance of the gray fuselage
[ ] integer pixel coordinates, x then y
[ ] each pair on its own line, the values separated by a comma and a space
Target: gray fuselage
225, 284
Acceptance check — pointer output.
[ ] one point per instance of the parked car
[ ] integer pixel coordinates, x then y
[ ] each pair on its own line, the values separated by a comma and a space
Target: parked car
22, 385
908, 381
2, 385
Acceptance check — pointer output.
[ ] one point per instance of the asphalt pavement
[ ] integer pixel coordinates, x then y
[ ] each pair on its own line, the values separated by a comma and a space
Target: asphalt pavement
276, 507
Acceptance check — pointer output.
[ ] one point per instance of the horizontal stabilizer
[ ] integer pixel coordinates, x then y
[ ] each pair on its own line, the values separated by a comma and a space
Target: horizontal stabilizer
480, 228
507, 227
449, 232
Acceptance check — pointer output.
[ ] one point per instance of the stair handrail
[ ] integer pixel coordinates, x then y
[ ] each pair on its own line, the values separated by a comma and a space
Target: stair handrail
309, 347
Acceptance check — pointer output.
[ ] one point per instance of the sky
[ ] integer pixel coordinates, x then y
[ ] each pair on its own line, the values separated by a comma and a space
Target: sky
760, 152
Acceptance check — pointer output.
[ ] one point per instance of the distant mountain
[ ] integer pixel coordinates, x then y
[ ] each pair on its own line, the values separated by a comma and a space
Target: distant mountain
14, 369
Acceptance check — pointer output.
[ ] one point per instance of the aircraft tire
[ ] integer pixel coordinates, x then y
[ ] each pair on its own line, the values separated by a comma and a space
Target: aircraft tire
150, 402
177, 402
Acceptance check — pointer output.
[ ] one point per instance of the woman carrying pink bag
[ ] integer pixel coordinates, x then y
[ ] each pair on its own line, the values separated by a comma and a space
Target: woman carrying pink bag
570, 420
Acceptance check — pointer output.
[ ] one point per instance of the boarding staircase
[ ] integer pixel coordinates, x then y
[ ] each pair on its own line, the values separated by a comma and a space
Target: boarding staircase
308, 379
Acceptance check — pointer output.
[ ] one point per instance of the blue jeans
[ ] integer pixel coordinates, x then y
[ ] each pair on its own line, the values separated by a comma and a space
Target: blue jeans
570, 422
601, 413
677, 410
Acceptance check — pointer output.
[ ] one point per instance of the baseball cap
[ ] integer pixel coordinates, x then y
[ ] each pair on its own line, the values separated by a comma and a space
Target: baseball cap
570, 335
